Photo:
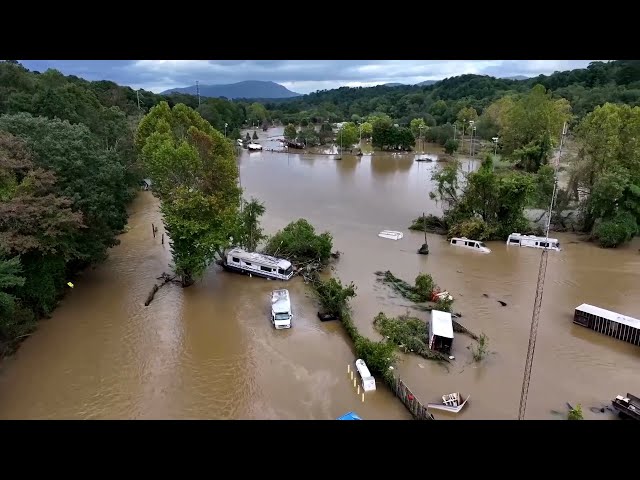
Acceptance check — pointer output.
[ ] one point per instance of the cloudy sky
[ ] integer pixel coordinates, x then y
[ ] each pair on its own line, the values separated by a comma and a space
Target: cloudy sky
302, 76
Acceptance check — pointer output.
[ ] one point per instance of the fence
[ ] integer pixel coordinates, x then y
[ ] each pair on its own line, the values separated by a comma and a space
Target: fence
410, 401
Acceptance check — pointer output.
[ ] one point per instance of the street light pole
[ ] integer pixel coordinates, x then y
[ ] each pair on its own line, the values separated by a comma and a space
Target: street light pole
471, 122
225, 129
495, 140
473, 142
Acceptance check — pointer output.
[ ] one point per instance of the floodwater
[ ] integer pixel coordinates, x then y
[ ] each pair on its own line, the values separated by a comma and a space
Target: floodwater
209, 351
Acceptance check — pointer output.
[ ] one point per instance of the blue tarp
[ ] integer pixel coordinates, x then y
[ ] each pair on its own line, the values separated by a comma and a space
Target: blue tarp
349, 416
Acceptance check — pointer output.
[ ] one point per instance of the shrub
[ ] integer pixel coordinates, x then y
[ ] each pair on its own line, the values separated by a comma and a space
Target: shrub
614, 232
474, 228
299, 243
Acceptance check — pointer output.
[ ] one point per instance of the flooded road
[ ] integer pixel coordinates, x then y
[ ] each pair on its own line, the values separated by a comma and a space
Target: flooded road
209, 351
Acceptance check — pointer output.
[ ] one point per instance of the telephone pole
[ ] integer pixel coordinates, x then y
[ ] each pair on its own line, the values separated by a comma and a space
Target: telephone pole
138, 97
537, 304
198, 91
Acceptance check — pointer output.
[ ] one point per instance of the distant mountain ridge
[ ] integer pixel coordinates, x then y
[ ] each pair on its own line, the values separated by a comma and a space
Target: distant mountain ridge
246, 89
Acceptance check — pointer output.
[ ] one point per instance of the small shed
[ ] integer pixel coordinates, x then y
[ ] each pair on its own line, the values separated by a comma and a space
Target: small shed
441, 331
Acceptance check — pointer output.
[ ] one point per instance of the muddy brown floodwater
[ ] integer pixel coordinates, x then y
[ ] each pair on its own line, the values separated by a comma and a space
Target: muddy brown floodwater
209, 351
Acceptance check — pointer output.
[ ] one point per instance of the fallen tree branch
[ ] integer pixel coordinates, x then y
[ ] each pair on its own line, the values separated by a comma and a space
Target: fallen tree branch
166, 278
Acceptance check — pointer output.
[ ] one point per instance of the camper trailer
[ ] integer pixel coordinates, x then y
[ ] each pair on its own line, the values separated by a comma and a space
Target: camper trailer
367, 380
518, 240
441, 331
251, 263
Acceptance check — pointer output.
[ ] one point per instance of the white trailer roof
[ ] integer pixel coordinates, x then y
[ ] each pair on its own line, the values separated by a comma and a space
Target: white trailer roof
441, 324
609, 315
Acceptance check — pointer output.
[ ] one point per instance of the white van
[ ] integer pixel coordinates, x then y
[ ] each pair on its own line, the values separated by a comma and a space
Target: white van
281, 309
367, 380
475, 245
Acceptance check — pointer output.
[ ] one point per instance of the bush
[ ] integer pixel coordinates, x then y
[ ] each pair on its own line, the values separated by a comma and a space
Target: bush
424, 286
299, 243
378, 356
614, 232
474, 228
575, 413
450, 146
480, 350
333, 296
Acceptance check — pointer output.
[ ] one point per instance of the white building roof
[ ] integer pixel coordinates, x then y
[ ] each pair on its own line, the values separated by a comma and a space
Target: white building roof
265, 260
609, 315
441, 324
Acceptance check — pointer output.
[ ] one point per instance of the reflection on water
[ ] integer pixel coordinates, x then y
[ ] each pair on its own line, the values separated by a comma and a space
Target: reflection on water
209, 351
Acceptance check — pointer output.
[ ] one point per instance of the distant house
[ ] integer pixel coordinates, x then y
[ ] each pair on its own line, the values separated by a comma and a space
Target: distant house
146, 184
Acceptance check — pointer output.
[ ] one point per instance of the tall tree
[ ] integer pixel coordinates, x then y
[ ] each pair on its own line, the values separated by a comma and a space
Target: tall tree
290, 132
347, 136
196, 178
533, 126
608, 171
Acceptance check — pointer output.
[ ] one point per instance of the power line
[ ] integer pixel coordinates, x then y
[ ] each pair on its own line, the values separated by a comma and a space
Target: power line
537, 304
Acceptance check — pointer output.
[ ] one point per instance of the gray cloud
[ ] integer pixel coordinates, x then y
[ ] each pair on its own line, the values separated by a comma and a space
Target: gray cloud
302, 76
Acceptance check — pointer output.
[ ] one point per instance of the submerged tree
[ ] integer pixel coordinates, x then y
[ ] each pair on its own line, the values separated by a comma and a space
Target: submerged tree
195, 175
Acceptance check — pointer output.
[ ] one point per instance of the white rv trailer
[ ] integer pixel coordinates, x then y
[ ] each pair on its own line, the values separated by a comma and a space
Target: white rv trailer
519, 240
252, 263
367, 380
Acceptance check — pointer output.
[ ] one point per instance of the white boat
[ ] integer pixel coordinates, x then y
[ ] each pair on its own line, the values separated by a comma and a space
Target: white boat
367, 380
391, 234
475, 245
254, 146
450, 403
252, 263
281, 314
519, 240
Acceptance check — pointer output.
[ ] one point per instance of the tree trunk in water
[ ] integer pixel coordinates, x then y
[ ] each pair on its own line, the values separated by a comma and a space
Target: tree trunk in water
187, 280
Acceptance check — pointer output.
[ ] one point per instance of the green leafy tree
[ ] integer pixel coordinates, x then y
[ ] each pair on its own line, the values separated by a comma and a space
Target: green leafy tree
485, 204
10, 278
382, 134
290, 132
309, 136
250, 233
466, 115
326, 133
299, 243
418, 127
607, 168
367, 129
196, 176
451, 146
533, 126
347, 136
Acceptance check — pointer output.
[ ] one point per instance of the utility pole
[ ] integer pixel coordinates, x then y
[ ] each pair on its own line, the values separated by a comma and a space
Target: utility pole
537, 304
198, 91
138, 97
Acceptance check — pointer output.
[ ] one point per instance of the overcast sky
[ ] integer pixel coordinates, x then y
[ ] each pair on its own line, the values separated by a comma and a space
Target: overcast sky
302, 76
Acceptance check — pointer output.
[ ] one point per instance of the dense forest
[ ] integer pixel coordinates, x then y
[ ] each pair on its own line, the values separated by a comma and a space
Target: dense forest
613, 82
72, 154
